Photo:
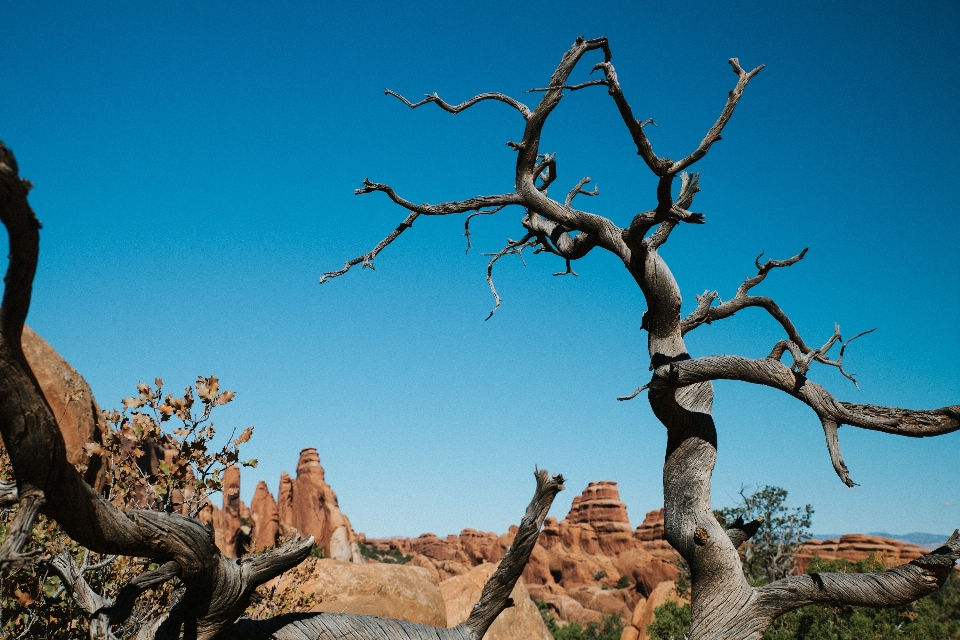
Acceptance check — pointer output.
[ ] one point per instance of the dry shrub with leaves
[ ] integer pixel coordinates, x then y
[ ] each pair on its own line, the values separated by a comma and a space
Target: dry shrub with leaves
150, 465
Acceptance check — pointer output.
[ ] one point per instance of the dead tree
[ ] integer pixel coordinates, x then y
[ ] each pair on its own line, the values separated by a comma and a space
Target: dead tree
680, 390
217, 589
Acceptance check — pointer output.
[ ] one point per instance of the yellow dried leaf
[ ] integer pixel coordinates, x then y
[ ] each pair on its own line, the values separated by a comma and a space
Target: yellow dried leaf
245, 436
225, 397
133, 403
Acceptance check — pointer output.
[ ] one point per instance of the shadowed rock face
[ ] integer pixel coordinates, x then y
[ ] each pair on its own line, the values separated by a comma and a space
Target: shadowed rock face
71, 400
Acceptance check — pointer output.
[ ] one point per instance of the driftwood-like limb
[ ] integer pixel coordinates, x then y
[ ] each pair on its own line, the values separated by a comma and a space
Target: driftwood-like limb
740, 531
892, 588
713, 135
86, 598
496, 593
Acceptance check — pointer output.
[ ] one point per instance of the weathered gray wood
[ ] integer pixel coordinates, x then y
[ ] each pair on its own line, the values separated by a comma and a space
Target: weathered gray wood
680, 392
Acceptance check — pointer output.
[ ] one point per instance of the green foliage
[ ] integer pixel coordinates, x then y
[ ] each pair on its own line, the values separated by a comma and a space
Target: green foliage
599, 575
316, 551
771, 553
609, 628
670, 622
623, 582
390, 556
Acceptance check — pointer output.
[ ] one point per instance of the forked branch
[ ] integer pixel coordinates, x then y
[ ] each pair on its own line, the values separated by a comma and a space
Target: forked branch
705, 313
832, 413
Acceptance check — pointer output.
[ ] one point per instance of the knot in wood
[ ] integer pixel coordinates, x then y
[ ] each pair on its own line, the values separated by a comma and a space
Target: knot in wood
700, 536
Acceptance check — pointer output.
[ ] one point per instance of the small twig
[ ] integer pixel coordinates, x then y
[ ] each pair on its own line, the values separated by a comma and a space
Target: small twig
513, 246
635, 393
466, 223
852, 377
579, 189
574, 87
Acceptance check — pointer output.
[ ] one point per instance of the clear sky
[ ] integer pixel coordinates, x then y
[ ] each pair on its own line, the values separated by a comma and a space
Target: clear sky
195, 164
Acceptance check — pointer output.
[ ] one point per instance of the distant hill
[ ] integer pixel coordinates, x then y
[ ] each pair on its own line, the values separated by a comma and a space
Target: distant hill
925, 540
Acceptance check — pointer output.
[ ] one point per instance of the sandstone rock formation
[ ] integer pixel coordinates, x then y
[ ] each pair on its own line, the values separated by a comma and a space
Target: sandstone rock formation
857, 546
71, 400
306, 506
577, 565
264, 518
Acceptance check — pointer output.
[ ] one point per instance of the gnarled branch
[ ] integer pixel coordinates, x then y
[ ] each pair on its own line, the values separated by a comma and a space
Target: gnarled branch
705, 313
892, 588
832, 413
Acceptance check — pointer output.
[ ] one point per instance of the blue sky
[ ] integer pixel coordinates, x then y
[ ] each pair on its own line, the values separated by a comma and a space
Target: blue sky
195, 167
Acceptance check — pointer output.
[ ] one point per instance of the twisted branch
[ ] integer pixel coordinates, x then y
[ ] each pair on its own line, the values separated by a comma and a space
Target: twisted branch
513, 247
437, 100
705, 313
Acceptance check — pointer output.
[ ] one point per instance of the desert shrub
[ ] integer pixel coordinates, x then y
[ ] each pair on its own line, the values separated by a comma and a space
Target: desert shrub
390, 556
149, 465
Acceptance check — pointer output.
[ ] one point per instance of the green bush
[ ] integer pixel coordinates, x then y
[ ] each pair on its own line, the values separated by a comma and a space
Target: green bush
670, 622
391, 556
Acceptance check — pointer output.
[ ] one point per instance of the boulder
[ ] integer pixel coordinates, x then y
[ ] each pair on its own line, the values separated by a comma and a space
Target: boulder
401, 592
72, 402
520, 622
